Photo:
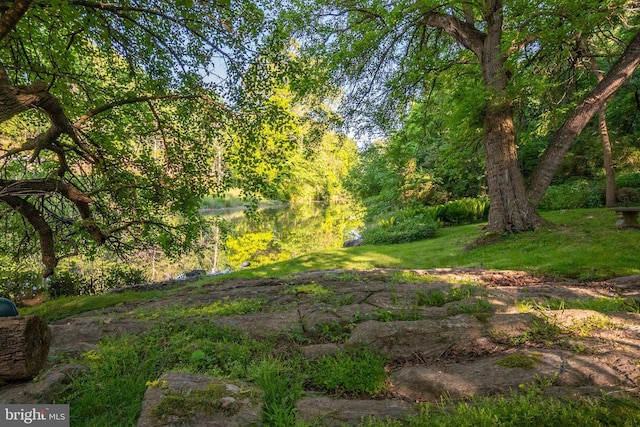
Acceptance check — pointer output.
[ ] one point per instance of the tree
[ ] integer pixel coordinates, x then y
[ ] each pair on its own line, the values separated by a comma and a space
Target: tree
111, 112
386, 53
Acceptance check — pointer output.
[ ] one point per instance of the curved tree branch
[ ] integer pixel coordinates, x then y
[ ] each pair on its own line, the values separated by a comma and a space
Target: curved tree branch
37, 221
463, 32
34, 187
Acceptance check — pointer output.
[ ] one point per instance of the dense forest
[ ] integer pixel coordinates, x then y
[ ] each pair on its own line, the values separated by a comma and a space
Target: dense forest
120, 121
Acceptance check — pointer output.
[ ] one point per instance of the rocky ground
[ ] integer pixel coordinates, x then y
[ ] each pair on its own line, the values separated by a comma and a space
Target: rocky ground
481, 339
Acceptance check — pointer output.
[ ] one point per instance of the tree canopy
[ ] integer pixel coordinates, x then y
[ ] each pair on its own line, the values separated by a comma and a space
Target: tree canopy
111, 112
508, 54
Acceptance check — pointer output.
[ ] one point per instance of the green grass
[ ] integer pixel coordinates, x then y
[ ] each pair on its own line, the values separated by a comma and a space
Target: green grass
580, 243
355, 372
63, 307
602, 305
530, 408
111, 392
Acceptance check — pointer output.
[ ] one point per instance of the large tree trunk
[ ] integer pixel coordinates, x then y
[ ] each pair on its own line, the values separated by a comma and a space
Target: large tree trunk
24, 346
510, 210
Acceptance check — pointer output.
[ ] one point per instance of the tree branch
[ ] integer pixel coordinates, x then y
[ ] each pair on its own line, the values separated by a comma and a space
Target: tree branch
35, 187
12, 16
463, 32
571, 128
37, 221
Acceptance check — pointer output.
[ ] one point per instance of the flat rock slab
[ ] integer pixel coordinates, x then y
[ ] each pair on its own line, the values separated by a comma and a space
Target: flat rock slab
486, 376
425, 338
48, 383
182, 399
331, 412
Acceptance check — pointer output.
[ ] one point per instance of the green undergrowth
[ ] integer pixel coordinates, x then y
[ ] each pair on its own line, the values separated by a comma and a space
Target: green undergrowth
223, 307
530, 407
602, 305
358, 372
121, 369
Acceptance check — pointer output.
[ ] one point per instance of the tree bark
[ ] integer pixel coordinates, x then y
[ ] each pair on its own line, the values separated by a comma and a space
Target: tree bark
607, 156
510, 210
37, 221
24, 346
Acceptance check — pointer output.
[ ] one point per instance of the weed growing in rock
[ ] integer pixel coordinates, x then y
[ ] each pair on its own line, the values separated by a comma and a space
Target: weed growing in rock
282, 386
478, 306
585, 326
354, 372
312, 289
520, 360
438, 298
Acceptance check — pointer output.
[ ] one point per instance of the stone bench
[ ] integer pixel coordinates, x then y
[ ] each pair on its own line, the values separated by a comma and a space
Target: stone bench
627, 216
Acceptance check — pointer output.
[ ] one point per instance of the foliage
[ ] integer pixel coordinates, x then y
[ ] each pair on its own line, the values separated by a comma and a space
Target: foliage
18, 283
438, 298
73, 281
508, 63
574, 195
399, 228
355, 372
133, 108
121, 367
629, 179
282, 386
461, 211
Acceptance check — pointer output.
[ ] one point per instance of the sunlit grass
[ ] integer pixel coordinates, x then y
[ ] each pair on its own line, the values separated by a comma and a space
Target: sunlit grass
581, 243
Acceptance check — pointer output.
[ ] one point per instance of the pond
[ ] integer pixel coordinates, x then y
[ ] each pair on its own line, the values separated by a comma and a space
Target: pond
273, 234
285, 232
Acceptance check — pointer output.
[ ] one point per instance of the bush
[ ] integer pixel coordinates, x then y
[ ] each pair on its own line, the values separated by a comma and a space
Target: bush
19, 285
628, 179
574, 195
120, 276
66, 283
74, 282
400, 228
460, 212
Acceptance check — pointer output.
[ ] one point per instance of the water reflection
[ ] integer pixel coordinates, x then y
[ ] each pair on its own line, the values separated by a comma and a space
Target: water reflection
277, 234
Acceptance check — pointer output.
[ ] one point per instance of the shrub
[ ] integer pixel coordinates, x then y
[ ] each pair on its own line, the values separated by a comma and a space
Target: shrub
628, 179
400, 229
574, 195
66, 283
18, 285
120, 276
461, 211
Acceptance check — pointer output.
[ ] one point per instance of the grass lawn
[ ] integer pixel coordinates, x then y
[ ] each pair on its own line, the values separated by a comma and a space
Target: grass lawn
580, 243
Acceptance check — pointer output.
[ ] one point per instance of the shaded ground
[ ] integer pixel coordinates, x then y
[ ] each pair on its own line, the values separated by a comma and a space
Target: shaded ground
444, 332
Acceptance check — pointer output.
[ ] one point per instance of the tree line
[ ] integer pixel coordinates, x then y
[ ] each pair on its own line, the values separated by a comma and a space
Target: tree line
118, 117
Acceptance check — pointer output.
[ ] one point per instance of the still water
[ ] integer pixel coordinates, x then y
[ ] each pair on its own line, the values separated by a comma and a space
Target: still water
277, 234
